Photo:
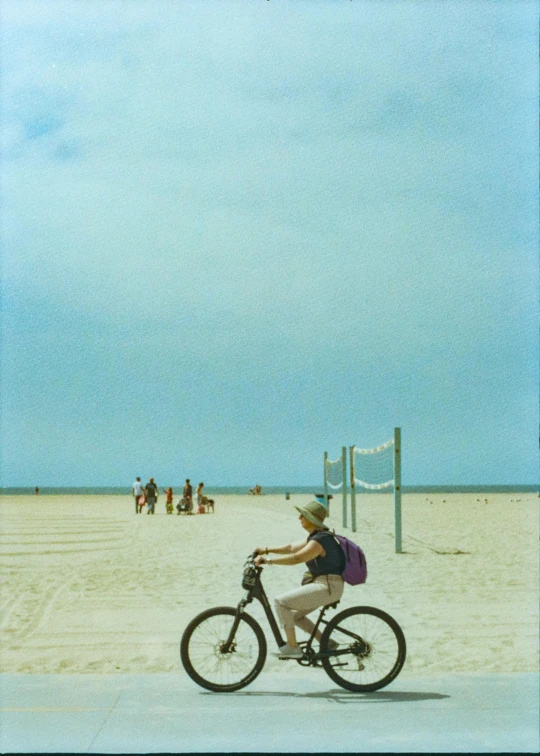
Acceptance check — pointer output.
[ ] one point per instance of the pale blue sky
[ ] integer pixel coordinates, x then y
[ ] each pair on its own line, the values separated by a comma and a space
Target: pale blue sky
238, 234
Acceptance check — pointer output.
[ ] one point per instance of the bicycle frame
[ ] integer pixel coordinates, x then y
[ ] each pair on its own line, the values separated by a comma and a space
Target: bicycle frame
258, 592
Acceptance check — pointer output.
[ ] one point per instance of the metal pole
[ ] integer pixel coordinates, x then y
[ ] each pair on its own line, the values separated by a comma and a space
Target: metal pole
353, 491
344, 478
397, 488
326, 484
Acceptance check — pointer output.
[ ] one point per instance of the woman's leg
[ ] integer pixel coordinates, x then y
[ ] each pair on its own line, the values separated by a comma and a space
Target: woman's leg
293, 606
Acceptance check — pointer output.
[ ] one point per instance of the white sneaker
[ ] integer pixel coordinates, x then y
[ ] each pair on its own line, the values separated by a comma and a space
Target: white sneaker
289, 652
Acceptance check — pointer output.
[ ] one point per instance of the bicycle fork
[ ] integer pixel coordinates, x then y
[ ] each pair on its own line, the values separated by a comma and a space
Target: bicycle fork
258, 593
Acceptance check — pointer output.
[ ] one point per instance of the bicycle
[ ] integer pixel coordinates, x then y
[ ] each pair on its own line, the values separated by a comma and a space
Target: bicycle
223, 649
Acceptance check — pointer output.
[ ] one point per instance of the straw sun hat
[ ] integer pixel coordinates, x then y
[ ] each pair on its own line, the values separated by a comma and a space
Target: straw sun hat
314, 512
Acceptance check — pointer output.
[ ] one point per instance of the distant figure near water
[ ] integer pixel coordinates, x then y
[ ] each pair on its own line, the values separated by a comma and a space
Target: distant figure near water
169, 500
138, 491
200, 499
151, 492
204, 504
37, 490
185, 504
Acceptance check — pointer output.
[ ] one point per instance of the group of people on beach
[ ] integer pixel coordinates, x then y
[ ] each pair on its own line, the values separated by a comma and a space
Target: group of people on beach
148, 495
185, 505
256, 490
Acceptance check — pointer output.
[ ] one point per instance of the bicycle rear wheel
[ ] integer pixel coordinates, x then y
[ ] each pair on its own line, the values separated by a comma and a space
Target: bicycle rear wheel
209, 664
371, 650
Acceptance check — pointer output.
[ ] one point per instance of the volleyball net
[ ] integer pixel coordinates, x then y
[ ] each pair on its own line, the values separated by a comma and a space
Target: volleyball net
334, 473
373, 469
377, 469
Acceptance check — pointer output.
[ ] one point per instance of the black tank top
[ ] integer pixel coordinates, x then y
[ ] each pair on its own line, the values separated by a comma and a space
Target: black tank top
334, 561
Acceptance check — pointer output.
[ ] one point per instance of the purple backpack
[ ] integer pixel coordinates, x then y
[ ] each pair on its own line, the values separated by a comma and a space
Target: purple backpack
355, 571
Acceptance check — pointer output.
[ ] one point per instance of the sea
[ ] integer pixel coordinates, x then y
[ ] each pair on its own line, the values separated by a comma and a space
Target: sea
238, 490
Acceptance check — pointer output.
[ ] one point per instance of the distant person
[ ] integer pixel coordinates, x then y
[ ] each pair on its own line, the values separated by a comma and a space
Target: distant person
258, 490
169, 500
204, 504
37, 491
187, 498
151, 492
138, 491
202, 501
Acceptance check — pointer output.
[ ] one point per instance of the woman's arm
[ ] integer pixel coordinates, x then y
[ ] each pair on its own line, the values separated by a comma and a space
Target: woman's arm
289, 548
309, 551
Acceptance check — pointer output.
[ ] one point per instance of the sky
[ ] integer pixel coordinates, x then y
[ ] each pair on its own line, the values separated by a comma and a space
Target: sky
236, 235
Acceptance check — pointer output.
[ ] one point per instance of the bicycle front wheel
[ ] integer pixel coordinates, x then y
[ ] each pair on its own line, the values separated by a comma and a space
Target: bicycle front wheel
209, 662
368, 649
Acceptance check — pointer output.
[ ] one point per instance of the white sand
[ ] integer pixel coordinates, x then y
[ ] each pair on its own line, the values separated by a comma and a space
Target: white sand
88, 586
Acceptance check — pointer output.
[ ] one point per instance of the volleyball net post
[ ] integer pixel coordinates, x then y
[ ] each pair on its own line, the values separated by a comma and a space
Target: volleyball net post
353, 489
397, 489
335, 477
326, 502
344, 478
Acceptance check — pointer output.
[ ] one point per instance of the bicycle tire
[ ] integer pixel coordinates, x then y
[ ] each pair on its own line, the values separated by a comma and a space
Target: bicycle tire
368, 668
205, 662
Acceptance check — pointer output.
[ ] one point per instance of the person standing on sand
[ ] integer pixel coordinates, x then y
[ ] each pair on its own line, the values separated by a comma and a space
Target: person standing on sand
201, 499
138, 491
187, 496
169, 500
151, 491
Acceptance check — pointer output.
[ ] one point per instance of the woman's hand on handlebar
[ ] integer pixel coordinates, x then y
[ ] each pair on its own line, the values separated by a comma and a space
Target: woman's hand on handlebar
258, 558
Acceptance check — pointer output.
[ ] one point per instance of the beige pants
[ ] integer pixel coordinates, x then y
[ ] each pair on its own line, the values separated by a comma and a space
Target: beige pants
292, 607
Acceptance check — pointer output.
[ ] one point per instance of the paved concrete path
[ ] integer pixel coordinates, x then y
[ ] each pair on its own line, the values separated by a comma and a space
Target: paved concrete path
277, 713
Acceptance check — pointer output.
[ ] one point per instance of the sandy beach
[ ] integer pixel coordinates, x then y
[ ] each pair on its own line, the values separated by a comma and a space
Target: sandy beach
88, 586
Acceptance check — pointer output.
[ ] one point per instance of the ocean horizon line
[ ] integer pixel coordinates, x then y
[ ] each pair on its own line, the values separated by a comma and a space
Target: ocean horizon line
283, 489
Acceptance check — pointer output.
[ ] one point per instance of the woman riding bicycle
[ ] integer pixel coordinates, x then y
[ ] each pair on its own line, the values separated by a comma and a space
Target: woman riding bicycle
323, 585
